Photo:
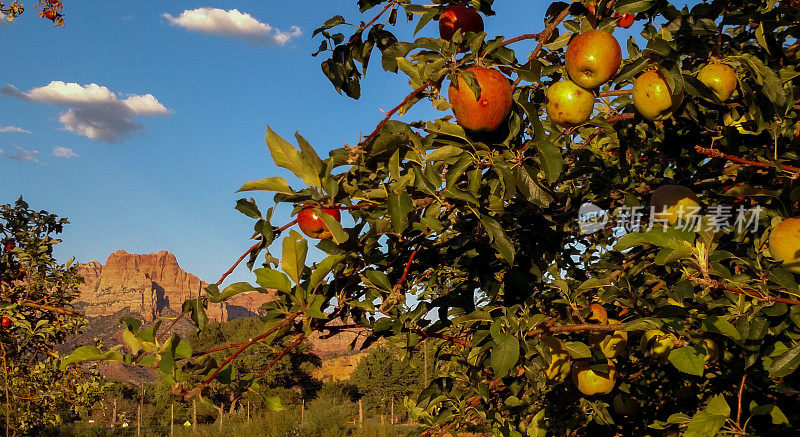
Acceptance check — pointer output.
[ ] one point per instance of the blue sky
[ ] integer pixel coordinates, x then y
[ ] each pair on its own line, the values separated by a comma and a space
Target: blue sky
182, 116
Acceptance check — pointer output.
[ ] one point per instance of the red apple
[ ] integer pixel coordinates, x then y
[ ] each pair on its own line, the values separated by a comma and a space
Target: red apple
626, 21
312, 225
50, 15
459, 17
5, 322
10, 245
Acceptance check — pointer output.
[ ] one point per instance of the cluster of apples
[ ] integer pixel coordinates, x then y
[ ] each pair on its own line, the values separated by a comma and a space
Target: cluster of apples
599, 380
592, 59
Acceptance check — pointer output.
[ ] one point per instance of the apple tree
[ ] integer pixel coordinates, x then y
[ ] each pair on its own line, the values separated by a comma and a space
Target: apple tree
599, 242
36, 315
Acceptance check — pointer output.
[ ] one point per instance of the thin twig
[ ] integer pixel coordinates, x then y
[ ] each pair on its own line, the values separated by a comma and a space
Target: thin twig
403, 277
370, 22
513, 40
283, 353
544, 36
714, 153
389, 114
739, 411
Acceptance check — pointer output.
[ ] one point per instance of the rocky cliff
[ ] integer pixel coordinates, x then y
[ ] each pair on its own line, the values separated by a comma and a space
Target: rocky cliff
152, 286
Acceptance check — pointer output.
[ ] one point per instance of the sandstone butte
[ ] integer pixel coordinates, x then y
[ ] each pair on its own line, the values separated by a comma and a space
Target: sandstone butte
154, 286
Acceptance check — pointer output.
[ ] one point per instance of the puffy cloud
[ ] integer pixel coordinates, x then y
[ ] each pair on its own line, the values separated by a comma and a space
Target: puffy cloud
23, 155
232, 23
13, 129
95, 111
64, 152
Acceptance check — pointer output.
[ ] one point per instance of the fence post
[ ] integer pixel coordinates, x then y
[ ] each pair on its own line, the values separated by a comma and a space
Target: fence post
114, 419
194, 414
139, 413
391, 420
302, 410
360, 414
248, 412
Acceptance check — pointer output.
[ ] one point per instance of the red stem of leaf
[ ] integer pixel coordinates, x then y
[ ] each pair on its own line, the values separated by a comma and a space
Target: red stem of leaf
283, 353
713, 153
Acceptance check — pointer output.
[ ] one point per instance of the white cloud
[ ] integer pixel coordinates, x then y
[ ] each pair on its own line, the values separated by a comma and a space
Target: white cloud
232, 23
64, 152
95, 111
13, 129
23, 155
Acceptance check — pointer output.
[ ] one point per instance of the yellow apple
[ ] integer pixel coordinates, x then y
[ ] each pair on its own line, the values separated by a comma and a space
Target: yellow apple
712, 351
593, 382
720, 78
784, 244
653, 98
611, 345
593, 58
673, 203
557, 369
569, 105
657, 344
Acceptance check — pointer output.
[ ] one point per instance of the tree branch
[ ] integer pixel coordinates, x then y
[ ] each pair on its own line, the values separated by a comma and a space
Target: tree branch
283, 353
714, 153
612, 93
576, 328
51, 309
544, 36
711, 283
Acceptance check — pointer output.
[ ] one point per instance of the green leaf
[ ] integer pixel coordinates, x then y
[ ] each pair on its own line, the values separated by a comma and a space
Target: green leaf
379, 279
293, 257
273, 279
552, 161
337, 231
309, 156
197, 312
688, 359
577, 350
315, 309
233, 290
721, 326
632, 6
786, 363
133, 343
276, 184
248, 208
498, 238
399, 206
505, 354
286, 156
709, 421
529, 188
89, 353
273, 403
322, 269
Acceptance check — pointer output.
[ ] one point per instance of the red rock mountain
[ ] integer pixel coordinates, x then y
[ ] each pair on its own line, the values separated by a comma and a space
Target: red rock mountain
151, 286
